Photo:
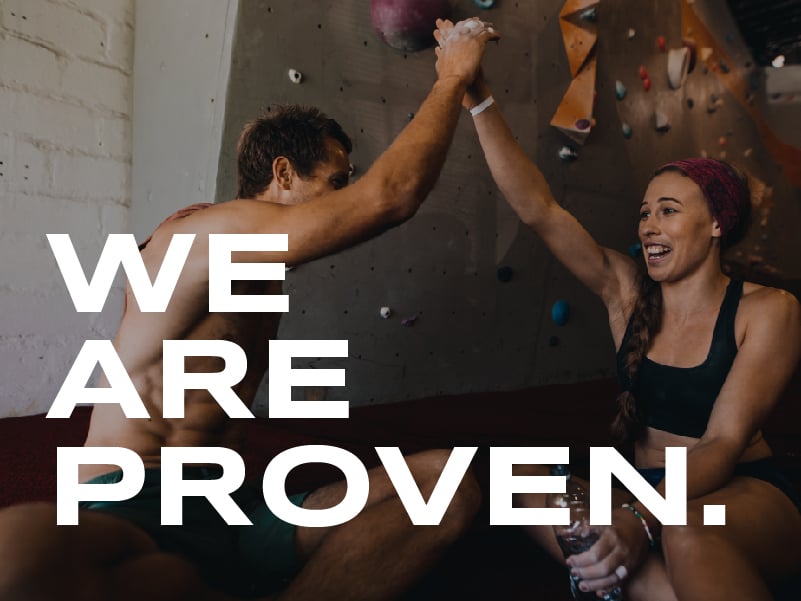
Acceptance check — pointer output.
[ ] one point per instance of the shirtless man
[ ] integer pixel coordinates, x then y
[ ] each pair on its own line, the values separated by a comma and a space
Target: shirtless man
285, 188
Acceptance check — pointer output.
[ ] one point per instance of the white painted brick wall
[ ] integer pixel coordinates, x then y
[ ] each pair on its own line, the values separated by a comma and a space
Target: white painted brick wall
65, 167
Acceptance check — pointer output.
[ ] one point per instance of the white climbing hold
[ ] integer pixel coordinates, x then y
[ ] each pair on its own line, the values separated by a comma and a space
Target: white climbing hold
677, 67
567, 154
295, 76
385, 312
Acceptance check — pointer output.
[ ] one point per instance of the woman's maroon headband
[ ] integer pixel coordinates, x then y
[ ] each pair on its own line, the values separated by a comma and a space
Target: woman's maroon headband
723, 189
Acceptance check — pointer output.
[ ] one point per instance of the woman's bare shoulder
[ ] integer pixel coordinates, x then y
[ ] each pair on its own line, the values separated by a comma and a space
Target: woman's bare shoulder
765, 304
759, 296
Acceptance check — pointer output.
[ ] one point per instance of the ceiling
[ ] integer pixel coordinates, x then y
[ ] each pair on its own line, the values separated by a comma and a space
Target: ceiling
770, 28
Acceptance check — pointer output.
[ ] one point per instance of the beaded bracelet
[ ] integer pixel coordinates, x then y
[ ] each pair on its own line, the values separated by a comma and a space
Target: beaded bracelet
639, 516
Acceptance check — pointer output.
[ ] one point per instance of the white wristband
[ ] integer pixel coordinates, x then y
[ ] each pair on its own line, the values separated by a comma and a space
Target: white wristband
482, 106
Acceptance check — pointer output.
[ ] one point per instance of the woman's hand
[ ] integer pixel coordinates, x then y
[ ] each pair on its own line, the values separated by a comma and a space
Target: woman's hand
620, 550
461, 47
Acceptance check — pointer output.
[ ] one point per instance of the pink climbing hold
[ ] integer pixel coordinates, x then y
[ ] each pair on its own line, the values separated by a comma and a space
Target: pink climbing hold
408, 24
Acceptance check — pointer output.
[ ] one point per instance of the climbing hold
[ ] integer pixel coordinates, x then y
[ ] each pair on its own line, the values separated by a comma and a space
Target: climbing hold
351, 170
627, 131
505, 273
643, 72
723, 67
661, 43
635, 250
704, 154
591, 14
715, 102
409, 321
410, 116
484, 3
661, 121
747, 152
690, 103
722, 155
722, 140
567, 154
678, 66
407, 24
631, 33
646, 84
704, 53
690, 45
385, 312
620, 90
295, 76
582, 124
560, 312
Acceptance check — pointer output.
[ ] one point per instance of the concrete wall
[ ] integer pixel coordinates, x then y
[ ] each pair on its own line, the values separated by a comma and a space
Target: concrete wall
183, 53
65, 165
475, 333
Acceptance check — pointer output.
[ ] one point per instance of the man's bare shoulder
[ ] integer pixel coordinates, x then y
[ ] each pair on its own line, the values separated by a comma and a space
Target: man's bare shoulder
238, 216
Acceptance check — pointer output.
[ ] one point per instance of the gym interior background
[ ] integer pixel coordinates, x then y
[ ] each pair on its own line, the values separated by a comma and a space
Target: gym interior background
115, 113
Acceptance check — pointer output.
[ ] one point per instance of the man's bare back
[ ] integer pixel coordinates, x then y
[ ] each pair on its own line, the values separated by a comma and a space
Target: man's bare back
138, 343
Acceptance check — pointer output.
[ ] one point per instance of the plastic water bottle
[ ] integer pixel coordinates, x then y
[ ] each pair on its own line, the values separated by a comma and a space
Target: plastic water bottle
579, 535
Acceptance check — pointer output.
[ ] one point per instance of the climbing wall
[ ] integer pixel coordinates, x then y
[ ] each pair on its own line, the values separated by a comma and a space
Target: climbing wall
474, 296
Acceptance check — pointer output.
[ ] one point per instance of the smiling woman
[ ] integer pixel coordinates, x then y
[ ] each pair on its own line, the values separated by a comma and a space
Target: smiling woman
702, 361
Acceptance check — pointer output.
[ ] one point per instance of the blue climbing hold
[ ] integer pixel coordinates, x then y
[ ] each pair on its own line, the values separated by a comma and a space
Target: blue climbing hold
620, 90
505, 273
635, 250
627, 131
484, 3
560, 312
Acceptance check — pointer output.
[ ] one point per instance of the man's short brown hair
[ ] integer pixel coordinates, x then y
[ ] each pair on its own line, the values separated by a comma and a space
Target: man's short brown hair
295, 132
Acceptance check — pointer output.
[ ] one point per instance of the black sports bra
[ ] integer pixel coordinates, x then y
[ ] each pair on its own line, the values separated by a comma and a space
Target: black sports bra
679, 400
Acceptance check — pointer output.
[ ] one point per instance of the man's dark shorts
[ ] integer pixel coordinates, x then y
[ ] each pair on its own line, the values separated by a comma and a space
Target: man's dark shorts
242, 560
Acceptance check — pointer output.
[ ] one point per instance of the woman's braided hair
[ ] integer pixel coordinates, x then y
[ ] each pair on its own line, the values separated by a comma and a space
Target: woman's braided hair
629, 423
